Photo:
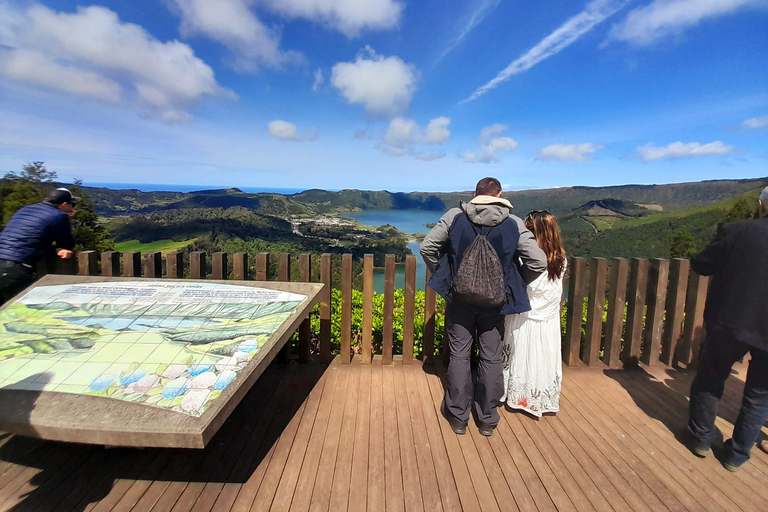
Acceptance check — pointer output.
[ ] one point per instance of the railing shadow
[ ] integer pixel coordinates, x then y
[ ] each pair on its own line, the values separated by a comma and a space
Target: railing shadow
72, 476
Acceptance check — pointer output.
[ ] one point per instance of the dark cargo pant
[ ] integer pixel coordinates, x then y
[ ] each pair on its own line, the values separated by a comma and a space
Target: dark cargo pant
462, 321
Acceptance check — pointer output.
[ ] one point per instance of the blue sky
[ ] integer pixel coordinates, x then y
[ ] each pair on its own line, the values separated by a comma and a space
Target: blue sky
386, 94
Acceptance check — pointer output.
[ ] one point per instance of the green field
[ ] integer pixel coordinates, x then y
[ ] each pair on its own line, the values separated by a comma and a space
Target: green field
163, 246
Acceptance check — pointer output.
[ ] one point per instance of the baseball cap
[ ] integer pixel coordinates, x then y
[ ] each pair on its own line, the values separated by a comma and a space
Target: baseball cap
61, 196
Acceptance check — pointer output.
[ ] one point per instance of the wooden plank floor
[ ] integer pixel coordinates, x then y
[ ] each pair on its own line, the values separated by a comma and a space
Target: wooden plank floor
368, 437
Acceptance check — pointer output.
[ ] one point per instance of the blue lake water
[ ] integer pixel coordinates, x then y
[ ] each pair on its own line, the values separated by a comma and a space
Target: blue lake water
407, 221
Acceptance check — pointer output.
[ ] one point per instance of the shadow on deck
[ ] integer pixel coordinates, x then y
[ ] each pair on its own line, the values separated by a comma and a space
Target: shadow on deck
371, 438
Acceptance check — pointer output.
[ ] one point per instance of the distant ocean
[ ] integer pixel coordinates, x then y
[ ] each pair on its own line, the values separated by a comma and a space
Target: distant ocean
160, 187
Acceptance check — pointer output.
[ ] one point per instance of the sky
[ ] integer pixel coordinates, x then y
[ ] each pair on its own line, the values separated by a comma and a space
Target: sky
402, 95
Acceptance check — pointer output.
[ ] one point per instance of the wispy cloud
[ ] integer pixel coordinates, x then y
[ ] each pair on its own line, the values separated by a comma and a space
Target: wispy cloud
676, 150
284, 130
593, 14
755, 123
569, 152
662, 18
475, 17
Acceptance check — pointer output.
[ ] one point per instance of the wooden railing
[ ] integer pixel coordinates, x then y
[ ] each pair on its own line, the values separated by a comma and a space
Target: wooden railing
636, 310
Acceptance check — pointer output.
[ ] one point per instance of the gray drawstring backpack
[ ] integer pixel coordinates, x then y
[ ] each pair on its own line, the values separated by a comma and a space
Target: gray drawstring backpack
480, 278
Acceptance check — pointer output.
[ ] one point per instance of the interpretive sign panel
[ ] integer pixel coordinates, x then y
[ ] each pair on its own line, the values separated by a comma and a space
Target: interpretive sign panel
144, 362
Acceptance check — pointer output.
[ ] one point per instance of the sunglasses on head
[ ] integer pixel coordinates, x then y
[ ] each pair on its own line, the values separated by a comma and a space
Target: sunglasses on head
534, 212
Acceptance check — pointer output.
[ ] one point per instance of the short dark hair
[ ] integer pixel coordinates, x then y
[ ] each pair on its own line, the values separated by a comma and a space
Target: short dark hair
488, 187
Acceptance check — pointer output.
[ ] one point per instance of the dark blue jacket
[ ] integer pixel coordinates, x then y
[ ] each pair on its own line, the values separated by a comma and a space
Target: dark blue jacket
31, 232
737, 260
502, 232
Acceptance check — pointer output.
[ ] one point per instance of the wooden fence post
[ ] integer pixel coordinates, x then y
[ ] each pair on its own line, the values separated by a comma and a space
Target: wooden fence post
693, 334
325, 308
262, 266
88, 263
409, 299
576, 284
678, 285
110, 263
367, 347
596, 305
638, 285
219, 266
305, 332
389, 306
346, 308
428, 344
153, 264
616, 301
174, 265
197, 265
284, 274
654, 320
132, 264
240, 266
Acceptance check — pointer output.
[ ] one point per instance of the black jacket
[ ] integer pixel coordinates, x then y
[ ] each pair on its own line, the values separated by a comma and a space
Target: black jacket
737, 301
32, 230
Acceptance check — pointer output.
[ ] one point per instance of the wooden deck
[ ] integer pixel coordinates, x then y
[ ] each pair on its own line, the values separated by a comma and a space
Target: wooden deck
311, 437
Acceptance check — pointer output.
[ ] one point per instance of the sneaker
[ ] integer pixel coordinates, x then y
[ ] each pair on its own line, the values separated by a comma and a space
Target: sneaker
486, 430
697, 447
727, 458
459, 427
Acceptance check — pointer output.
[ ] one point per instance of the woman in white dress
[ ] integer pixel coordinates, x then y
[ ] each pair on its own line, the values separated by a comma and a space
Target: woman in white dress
531, 361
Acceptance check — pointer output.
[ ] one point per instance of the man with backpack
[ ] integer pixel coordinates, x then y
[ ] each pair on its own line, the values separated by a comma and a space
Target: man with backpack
478, 254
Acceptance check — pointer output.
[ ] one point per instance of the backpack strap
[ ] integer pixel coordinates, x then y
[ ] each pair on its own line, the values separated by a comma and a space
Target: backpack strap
461, 205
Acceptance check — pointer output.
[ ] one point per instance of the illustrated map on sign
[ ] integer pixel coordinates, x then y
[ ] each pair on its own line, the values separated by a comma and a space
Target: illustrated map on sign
173, 345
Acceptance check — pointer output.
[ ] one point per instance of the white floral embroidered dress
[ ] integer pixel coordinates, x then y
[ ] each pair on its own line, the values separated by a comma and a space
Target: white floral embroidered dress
532, 361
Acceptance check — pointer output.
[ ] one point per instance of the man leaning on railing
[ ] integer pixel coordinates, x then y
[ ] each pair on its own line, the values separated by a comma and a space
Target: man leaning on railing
736, 321
29, 234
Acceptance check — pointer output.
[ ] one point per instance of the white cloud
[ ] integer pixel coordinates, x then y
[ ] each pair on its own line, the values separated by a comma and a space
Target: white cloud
233, 24
347, 16
428, 156
403, 134
26, 66
569, 152
489, 131
662, 18
284, 130
649, 152
755, 123
319, 80
593, 14
490, 145
92, 53
384, 85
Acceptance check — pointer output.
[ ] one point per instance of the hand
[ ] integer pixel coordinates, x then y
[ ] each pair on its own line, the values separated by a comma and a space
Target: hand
64, 254
71, 213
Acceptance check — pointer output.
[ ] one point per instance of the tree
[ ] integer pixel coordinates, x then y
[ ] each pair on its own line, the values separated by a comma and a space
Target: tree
37, 173
741, 210
29, 187
683, 245
90, 235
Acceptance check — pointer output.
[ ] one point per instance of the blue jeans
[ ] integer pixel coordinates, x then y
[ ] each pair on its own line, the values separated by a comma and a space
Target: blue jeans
718, 355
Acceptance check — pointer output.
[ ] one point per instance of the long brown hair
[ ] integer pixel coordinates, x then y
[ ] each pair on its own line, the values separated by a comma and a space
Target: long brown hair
544, 227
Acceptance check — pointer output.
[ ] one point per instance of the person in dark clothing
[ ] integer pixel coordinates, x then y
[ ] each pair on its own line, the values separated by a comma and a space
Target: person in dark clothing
736, 322
442, 249
29, 235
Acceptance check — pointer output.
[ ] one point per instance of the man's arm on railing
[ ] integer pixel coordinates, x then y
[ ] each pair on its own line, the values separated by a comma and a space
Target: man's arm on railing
709, 261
